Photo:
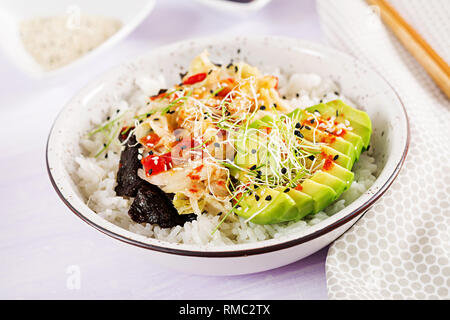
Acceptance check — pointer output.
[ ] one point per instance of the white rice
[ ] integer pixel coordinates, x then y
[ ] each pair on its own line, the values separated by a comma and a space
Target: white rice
97, 177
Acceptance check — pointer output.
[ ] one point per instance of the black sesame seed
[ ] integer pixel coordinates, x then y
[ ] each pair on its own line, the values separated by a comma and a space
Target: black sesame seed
284, 97
220, 213
156, 119
118, 110
287, 190
320, 101
298, 134
311, 157
229, 65
368, 147
307, 128
336, 157
268, 198
253, 167
150, 152
317, 111
104, 144
283, 170
107, 118
150, 171
337, 113
298, 125
236, 69
312, 121
238, 50
275, 105
204, 118
211, 91
262, 108
336, 93
254, 151
257, 197
106, 155
209, 72
297, 95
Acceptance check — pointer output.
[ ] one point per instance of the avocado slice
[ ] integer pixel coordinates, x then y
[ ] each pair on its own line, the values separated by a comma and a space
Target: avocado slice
322, 195
338, 157
355, 140
340, 172
304, 204
247, 145
269, 205
333, 141
329, 180
359, 120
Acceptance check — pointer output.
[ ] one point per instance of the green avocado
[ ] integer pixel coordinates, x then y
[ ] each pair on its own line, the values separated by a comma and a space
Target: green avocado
329, 180
338, 157
356, 141
334, 142
359, 120
340, 172
247, 146
304, 204
322, 195
269, 205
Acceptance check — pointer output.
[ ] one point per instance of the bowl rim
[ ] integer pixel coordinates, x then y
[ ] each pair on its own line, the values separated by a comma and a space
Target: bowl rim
251, 251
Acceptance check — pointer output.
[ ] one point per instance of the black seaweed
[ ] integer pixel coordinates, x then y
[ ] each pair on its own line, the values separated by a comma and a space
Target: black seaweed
128, 181
153, 206
150, 203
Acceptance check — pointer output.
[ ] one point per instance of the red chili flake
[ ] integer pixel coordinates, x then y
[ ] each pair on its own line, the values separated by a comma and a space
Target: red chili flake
195, 78
299, 187
276, 85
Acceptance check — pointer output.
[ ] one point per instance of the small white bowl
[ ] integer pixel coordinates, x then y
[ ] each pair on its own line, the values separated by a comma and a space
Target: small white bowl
234, 7
13, 12
366, 88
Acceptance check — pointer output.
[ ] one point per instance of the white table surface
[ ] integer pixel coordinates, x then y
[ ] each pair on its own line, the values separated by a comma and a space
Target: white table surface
40, 239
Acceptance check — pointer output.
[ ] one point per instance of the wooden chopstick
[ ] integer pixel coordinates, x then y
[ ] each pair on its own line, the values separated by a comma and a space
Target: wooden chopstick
435, 66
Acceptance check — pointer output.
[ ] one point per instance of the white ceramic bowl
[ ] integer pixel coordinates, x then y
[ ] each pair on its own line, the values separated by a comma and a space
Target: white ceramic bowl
365, 87
234, 7
12, 12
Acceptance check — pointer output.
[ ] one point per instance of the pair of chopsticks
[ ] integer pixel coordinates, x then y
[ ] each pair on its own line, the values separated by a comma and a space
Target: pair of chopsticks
435, 66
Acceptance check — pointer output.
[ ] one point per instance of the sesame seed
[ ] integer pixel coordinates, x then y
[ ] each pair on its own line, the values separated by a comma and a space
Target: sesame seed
262, 108
257, 197
253, 151
268, 198
287, 190
311, 157
150, 172
336, 157
253, 167
307, 128
283, 170
298, 125
312, 121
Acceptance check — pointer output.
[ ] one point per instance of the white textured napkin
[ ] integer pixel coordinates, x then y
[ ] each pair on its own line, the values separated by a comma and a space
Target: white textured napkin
400, 249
